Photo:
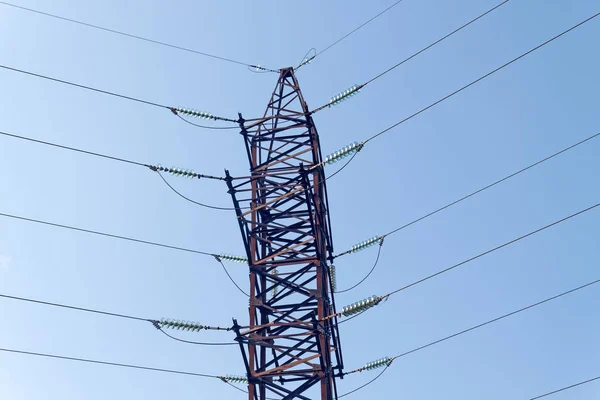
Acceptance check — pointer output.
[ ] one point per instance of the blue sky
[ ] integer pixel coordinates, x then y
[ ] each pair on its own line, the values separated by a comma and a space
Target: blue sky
533, 108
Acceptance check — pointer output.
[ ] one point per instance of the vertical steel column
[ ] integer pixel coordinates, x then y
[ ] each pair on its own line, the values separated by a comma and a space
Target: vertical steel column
283, 215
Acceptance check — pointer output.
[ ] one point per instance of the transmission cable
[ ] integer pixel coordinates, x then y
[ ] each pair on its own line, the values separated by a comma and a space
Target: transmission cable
369, 274
205, 126
358, 28
507, 177
230, 277
483, 77
495, 248
437, 41
359, 307
157, 324
124, 160
131, 239
155, 168
190, 200
174, 110
355, 147
387, 365
110, 235
87, 360
565, 388
366, 384
356, 88
160, 43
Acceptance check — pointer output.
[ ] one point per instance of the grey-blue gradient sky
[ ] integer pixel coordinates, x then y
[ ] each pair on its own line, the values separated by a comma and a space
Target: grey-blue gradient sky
531, 109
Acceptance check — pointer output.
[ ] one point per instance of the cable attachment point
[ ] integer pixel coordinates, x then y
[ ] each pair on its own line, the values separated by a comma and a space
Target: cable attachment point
193, 113
360, 306
180, 325
234, 379
232, 258
187, 173
155, 323
333, 277
345, 95
343, 153
366, 244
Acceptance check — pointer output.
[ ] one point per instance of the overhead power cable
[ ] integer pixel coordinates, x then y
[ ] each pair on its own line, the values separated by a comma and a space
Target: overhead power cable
137, 37
484, 76
352, 31
156, 168
368, 274
113, 364
388, 360
110, 235
437, 41
127, 238
518, 239
355, 147
358, 247
175, 110
158, 324
359, 307
173, 171
565, 388
356, 88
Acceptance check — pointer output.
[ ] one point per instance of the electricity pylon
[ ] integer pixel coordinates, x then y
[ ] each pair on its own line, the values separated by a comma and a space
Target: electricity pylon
291, 344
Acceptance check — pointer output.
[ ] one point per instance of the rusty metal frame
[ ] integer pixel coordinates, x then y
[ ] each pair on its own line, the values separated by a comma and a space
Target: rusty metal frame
288, 347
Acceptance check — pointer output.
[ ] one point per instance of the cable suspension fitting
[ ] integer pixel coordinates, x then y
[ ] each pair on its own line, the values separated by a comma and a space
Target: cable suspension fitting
185, 325
234, 379
233, 258
333, 277
343, 153
382, 362
361, 306
198, 114
345, 95
186, 173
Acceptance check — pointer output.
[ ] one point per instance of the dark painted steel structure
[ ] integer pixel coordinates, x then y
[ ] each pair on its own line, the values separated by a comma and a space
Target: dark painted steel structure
290, 349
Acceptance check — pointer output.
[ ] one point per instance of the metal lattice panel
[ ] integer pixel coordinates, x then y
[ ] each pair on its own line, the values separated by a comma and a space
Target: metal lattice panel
289, 346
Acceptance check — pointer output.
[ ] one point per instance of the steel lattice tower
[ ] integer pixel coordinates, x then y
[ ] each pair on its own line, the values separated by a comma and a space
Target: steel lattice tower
289, 345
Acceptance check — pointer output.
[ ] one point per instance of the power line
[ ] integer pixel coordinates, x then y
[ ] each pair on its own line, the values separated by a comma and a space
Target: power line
113, 364
117, 32
494, 249
419, 52
477, 327
155, 323
482, 77
565, 388
367, 276
482, 189
113, 236
494, 183
198, 343
152, 167
520, 310
92, 153
110, 235
359, 27
375, 300
193, 201
436, 42
89, 310
230, 277
135, 99
60, 146
355, 89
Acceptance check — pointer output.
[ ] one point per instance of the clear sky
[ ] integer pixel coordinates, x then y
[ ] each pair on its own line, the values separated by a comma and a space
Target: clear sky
531, 109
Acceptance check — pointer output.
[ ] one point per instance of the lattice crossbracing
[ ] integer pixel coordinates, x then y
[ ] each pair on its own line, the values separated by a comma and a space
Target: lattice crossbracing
288, 346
